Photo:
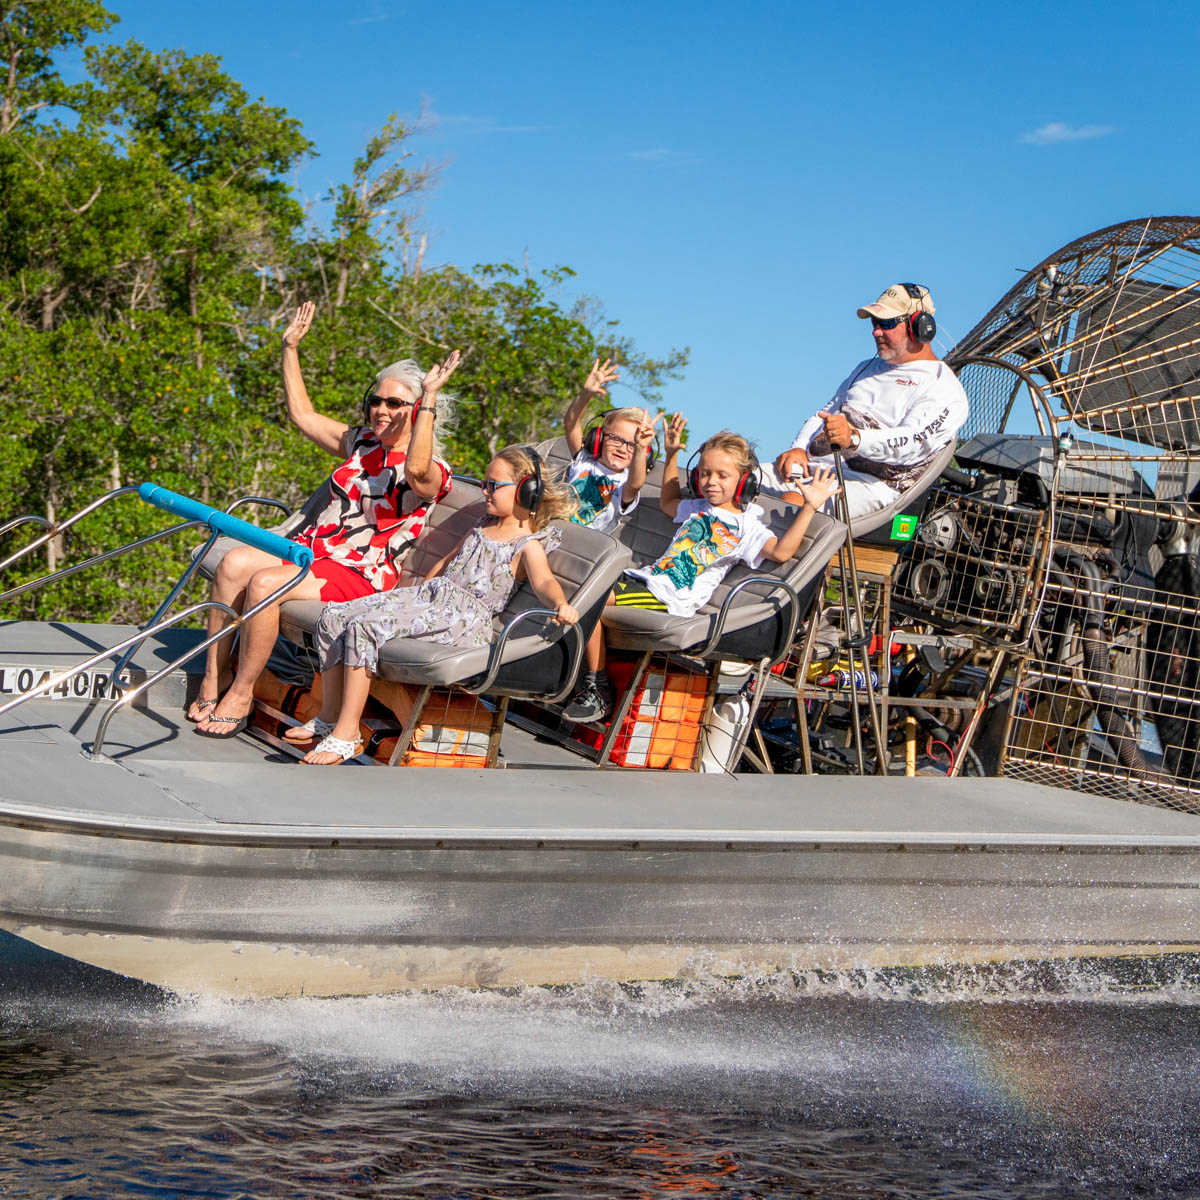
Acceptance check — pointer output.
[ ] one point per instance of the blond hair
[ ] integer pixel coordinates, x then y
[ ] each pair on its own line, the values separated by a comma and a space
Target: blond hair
559, 500
736, 446
622, 414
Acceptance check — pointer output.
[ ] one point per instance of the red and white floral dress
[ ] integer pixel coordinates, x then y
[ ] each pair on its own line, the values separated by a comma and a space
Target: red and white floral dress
372, 519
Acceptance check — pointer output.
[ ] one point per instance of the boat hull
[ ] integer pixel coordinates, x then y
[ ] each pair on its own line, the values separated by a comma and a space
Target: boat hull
306, 915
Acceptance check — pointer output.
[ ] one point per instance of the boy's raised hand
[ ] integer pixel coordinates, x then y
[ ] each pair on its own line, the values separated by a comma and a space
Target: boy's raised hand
673, 434
645, 433
601, 374
824, 484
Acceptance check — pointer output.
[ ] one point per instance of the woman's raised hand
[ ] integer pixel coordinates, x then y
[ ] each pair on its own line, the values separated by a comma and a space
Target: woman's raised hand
673, 434
601, 374
301, 320
436, 376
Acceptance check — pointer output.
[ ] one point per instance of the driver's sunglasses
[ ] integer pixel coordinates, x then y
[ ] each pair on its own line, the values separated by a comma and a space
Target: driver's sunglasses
887, 322
489, 486
622, 443
389, 402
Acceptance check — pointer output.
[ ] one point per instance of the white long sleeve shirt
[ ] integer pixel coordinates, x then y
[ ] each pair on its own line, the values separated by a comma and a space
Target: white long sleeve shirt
904, 414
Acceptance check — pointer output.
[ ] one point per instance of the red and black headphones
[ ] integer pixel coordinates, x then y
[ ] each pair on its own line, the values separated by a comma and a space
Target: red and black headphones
530, 488
920, 325
747, 484
593, 439
366, 403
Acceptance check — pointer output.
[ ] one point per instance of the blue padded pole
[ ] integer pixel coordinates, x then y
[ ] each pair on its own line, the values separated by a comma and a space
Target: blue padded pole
222, 522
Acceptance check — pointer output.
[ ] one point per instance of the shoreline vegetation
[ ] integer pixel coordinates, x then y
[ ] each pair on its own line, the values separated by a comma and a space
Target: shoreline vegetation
151, 253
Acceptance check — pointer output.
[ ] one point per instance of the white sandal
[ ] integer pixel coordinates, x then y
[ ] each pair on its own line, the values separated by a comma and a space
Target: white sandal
311, 731
331, 745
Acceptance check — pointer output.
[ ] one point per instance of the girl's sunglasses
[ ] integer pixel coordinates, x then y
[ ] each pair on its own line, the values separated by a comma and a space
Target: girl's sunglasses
490, 485
389, 402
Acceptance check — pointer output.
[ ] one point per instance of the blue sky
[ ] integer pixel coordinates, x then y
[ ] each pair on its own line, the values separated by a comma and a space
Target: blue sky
739, 179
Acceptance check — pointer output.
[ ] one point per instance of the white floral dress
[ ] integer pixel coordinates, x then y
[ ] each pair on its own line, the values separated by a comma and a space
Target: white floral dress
454, 609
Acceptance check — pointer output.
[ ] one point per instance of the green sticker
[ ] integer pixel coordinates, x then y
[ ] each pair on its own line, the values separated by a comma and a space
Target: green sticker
903, 527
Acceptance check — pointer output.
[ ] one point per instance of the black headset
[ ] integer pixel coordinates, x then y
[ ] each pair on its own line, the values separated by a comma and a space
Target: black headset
920, 325
593, 439
530, 488
747, 484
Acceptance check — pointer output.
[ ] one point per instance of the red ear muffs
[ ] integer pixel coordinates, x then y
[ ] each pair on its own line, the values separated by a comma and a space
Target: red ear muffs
747, 484
593, 441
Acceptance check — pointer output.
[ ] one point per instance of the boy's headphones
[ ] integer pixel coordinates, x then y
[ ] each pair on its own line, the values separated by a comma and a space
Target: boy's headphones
530, 488
920, 325
747, 484
593, 439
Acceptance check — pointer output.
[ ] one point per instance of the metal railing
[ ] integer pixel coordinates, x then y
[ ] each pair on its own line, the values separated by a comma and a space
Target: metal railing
197, 515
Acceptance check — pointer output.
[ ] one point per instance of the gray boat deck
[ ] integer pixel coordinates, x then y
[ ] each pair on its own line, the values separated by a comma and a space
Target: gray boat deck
163, 777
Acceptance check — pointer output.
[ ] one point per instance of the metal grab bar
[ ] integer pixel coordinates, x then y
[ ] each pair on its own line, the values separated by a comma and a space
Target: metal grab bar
192, 568
286, 509
239, 619
61, 527
494, 662
718, 630
50, 684
150, 539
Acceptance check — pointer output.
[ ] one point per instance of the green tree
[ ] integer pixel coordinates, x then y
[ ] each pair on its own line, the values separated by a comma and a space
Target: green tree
151, 251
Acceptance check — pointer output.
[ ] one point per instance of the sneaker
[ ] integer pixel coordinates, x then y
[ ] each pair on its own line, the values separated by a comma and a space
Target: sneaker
593, 701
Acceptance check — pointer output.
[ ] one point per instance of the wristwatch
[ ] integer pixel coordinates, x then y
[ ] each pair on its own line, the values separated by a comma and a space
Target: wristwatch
855, 438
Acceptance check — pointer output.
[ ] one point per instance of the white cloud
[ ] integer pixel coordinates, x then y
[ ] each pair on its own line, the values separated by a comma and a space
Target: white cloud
1059, 131
660, 156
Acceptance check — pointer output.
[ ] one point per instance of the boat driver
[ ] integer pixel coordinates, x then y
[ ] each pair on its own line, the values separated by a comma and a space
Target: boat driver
890, 416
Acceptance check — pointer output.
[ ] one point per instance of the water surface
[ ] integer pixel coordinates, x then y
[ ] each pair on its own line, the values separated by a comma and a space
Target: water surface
1050, 1082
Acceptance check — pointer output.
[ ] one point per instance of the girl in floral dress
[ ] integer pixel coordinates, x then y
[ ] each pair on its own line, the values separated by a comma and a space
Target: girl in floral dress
454, 606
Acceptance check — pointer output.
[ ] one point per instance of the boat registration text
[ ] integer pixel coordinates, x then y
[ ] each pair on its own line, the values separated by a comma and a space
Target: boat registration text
87, 685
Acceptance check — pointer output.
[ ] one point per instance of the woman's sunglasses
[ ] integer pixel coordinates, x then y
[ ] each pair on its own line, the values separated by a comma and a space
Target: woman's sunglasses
389, 402
490, 485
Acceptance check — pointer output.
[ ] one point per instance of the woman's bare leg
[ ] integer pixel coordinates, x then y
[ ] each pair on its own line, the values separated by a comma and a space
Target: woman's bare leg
228, 587
257, 641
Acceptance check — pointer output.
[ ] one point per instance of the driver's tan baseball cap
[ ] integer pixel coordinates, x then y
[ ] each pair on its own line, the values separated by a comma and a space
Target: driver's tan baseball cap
897, 302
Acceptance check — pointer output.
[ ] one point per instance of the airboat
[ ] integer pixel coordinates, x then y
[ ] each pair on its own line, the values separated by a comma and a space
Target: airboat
963, 731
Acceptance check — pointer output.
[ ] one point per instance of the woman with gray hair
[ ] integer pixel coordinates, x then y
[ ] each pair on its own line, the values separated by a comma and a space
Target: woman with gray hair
391, 476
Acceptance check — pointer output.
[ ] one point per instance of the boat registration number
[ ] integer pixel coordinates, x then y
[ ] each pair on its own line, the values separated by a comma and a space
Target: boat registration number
87, 685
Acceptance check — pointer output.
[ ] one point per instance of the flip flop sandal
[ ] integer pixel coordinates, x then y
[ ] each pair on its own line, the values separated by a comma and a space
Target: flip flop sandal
331, 745
204, 707
310, 731
237, 725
